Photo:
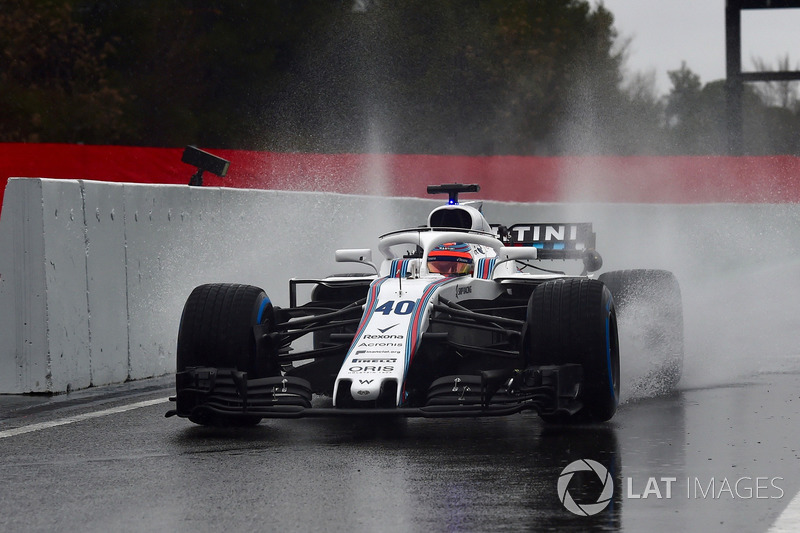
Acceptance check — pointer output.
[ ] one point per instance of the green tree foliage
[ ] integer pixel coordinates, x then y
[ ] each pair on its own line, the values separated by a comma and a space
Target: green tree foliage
494, 76
696, 120
53, 77
686, 112
202, 71
448, 76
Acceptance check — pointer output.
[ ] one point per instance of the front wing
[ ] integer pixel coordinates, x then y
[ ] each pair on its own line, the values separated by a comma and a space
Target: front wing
548, 390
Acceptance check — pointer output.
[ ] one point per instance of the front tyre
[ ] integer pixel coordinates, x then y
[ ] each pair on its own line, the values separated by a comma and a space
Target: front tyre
573, 321
217, 330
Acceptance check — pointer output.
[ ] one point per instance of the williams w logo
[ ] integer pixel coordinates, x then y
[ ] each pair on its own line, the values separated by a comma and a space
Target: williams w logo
585, 509
365, 381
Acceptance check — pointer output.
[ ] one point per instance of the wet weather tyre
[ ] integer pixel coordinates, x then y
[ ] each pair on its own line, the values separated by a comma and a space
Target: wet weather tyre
217, 330
573, 321
650, 312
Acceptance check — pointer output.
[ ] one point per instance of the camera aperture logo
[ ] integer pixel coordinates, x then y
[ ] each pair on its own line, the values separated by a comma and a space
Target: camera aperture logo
585, 509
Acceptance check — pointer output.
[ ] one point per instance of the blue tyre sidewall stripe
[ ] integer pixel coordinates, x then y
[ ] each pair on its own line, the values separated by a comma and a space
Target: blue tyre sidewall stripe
609, 366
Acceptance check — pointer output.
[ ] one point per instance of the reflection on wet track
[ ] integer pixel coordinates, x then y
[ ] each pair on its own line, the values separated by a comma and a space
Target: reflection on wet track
712, 459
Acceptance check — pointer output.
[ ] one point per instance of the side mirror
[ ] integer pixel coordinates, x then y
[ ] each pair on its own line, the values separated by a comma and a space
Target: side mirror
356, 255
516, 253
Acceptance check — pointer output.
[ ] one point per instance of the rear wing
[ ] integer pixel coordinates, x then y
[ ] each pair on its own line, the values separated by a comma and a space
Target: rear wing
553, 236
555, 240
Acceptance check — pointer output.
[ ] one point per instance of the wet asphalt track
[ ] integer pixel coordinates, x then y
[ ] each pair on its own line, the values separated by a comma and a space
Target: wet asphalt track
134, 470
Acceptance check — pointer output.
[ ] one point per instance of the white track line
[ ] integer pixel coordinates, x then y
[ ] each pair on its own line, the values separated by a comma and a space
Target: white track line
79, 418
789, 520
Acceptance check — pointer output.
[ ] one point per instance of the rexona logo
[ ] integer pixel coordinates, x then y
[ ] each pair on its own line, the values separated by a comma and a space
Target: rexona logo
591, 508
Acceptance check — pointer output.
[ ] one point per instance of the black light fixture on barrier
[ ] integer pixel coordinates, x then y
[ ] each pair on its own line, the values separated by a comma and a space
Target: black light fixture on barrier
204, 161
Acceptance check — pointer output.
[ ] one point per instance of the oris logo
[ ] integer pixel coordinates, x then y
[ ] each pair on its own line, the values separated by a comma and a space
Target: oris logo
378, 368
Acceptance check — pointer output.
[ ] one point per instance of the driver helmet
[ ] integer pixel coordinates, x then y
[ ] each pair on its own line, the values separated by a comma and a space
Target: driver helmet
451, 259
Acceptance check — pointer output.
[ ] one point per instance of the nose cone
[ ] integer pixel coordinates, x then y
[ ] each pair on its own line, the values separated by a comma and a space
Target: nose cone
365, 389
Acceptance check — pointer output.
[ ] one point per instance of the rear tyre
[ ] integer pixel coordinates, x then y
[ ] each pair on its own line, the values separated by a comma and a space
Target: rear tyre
650, 301
217, 330
573, 321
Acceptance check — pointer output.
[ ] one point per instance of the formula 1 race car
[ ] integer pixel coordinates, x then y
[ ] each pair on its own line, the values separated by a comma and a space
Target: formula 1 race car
460, 318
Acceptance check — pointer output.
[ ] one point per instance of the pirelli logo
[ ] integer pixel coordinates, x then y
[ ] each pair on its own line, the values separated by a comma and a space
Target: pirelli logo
373, 360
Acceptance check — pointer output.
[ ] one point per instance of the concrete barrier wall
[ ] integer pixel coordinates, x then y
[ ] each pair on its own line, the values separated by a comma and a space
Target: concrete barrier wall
94, 275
